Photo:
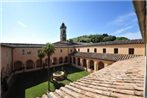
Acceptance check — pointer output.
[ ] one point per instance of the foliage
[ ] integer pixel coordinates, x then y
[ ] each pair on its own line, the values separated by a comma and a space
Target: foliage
121, 38
96, 38
41, 53
49, 48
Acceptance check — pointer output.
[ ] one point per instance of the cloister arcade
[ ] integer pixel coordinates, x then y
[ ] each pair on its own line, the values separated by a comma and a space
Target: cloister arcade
89, 64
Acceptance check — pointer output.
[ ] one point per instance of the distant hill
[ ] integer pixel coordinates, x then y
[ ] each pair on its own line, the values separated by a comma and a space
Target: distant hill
96, 38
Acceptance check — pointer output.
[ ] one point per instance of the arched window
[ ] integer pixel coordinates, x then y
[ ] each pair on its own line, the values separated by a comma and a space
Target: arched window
100, 65
66, 60
18, 65
29, 64
74, 60
79, 61
88, 50
54, 61
60, 60
38, 63
91, 64
95, 50
84, 63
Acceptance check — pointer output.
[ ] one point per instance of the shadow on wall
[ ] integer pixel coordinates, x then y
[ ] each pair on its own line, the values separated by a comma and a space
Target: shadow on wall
24, 81
30, 79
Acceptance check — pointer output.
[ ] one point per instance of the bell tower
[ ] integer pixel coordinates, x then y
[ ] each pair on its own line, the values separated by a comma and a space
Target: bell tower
63, 32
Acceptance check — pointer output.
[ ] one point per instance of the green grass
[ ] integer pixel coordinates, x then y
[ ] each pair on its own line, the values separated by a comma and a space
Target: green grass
34, 84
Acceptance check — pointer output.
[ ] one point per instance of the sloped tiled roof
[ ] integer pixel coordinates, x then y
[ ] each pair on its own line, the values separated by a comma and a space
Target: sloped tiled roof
123, 79
26, 45
73, 44
117, 42
65, 43
103, 56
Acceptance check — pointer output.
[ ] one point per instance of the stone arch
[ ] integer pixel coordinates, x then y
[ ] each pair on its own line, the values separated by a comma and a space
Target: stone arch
100, 65
18, 65
84, 63
29, 64
79, 61
38, 63
2, 72
70, 60
54, 61
74, 60
66, 59
46, 62
91, 65
60, 60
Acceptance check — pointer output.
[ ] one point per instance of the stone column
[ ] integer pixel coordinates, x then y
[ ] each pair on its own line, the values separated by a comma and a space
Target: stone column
76, 61
88, 65
95, 66
81, 63
105, 65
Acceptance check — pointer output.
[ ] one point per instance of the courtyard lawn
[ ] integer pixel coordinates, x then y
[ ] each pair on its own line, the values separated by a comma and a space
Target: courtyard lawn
34, 84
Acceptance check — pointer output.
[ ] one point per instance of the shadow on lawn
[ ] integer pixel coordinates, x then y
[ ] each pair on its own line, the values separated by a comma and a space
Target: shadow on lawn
30, 79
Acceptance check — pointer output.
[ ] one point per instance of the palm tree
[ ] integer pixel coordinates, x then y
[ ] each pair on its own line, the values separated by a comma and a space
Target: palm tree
41, 55
49, 49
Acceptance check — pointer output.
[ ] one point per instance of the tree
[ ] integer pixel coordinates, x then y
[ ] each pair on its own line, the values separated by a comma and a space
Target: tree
49, 49
41, 55
70, 40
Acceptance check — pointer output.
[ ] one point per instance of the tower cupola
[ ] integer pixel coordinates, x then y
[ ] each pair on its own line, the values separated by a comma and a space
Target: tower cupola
63, 32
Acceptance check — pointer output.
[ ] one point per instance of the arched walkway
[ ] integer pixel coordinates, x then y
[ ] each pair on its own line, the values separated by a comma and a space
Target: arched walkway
38, 63
79, 61
46, 62
100, 65
29, 64
18, 65
91, 65
66, 59
74, 60
54, 61
70, 60
60, 60
84, 63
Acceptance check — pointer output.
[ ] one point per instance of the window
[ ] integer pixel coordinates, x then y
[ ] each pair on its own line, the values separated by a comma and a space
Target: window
23, 52
115, 50
95, 50
104, 50
131, 50
74, 50
29, 52
60, 50
87, 50
79, 50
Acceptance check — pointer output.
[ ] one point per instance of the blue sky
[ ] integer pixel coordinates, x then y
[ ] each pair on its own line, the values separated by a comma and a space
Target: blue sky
39, 21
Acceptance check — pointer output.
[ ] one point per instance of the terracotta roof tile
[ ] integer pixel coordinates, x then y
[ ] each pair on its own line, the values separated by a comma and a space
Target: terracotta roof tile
123, 79
102, 56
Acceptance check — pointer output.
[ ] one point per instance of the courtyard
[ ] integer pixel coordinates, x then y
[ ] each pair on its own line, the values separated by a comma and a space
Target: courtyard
34, 84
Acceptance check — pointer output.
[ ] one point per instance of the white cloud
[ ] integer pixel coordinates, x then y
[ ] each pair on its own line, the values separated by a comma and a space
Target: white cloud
124, 19
131, 35
20, 23
123, 29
